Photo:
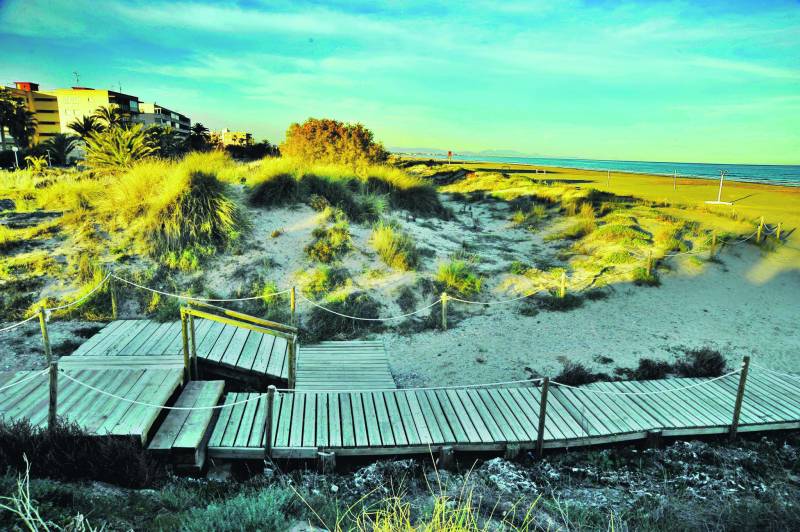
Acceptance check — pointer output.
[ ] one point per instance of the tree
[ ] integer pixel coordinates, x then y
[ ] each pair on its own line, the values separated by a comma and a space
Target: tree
198, 138
110, 116
331, 141
118, 147
86, 126
8, 105
22, 126
60, 146
167, 141
36, 163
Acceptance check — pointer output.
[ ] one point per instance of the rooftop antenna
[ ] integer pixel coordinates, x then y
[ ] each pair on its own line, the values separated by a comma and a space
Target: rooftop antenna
119, 83
77, 77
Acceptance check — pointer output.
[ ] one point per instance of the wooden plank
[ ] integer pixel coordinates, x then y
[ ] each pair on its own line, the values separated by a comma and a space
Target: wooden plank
421, 434
359, 423
115, 406
222, 420
171, 427
400, 417
257, 434
526, 424
298, 409
96, 338
461, 425
384, 423
509, 427
309, 420
234, 350
246, 424
334, 421
433, 411
263, 354
348, 421
234, 421
321, 429
370, 416
277, 359
143, 335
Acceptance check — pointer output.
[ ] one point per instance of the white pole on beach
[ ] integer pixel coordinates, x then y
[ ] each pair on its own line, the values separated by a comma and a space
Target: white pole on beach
608, 177
721, 179
674, 180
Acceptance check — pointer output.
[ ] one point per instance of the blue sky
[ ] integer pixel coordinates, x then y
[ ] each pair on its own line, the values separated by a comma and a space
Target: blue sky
677, 81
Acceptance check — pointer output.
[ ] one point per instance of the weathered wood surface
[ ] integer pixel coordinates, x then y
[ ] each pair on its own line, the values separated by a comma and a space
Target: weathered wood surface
416, 421
95, 412
184, 433
225, 346
343, 366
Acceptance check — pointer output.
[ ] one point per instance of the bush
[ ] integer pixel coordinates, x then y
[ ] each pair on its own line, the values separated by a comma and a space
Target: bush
460, 276
68, 453
117, 148
324, 280
642, 278
277, 189
576, 374
330, 242
268, 509
559, 304
395, 248
323, 325
703, 362
333, 142
648, 369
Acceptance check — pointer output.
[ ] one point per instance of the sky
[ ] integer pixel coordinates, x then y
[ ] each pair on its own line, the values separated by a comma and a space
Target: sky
711, 81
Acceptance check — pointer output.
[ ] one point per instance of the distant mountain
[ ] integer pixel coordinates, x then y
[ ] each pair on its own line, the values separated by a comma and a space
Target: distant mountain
466, 153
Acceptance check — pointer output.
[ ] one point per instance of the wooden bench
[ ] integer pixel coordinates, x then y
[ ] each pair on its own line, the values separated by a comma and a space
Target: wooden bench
184, 434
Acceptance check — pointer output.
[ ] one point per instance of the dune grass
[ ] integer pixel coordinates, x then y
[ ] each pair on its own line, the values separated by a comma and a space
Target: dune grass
277, 181
395, 247
331, 240
460, 276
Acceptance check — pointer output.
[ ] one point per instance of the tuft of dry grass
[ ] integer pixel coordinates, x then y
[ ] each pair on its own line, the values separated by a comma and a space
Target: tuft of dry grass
395, 248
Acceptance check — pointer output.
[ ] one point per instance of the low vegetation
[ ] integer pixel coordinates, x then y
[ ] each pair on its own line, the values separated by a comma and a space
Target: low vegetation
395, 247
459, 276
331, 238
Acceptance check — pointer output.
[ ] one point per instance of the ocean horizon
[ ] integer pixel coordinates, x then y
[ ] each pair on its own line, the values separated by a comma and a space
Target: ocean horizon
778, 174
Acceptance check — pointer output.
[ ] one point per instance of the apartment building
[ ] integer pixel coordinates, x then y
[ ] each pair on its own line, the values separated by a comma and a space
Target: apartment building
42, 105
76, 102
153, 114
226, 137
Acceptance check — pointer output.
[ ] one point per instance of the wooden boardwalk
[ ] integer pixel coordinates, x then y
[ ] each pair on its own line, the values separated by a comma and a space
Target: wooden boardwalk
233, 350
343, 366
496, 419
95, 412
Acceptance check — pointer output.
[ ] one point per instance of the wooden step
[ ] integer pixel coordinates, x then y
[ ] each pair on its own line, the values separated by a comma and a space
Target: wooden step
184, 434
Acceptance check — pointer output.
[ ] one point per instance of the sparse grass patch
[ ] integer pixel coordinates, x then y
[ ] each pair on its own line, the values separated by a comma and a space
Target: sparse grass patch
323, 280
554, 303
702, 362
330, 241
642, 278
323, 325
460, 276
576, 374
395, 247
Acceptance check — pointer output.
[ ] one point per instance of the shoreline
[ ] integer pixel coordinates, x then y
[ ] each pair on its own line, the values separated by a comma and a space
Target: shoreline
753, 181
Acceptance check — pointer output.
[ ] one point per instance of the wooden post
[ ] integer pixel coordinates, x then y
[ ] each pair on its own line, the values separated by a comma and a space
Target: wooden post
293, 305
713, 243
195, 370
778, 231
444, 311
268, 421
608, 178
542, 417
674, 180
292, 362
562, 291
654, 439
326, 462
760, 229
113, 289
52, 408
445, 457
737, 407
185, 336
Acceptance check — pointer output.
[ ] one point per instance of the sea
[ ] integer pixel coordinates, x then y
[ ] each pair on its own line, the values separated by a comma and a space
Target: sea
788, 175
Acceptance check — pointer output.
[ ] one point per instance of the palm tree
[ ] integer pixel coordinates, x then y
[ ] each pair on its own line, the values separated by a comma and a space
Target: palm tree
166, 140
86, 126
8, 104
22, 126
198, 137
111, 115
60, 146
118, 148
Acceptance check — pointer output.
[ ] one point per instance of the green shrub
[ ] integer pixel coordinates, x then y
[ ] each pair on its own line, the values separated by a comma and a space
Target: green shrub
323, 280
703, 362
323, 325
117, 148
395, 248
576, 374
642, 278
267, 509
68, 453
278, 189
574, 231
460, 276
559, 304
330, 242
621, 233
